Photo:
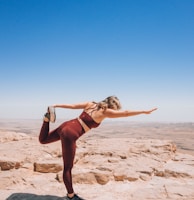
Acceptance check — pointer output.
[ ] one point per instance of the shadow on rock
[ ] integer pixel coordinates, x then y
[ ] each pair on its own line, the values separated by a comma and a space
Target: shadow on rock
26, 196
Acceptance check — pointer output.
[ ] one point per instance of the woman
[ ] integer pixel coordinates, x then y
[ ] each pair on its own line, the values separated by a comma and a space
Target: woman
68, 132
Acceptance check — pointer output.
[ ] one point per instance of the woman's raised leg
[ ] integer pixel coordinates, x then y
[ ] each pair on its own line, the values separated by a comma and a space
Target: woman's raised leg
45, 136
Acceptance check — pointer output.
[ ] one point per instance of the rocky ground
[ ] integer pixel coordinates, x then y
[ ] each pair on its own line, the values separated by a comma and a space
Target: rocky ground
105, 169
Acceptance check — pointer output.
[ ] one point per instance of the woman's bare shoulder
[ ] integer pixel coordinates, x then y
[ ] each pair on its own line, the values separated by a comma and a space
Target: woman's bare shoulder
90, 104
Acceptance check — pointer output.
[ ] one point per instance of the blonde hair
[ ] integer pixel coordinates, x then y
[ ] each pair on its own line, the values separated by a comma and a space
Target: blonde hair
111, 102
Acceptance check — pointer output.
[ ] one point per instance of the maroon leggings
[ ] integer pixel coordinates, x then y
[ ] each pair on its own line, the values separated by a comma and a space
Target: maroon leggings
68, 133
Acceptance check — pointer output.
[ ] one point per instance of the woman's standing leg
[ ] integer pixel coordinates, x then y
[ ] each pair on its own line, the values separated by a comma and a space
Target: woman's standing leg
70, 132
68, 150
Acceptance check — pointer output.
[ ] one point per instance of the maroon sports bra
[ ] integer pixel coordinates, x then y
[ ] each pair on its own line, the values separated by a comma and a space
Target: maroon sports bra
87, 119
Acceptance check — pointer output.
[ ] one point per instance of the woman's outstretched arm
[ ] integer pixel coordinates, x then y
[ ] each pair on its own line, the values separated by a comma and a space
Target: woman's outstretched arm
72, 106
109, 113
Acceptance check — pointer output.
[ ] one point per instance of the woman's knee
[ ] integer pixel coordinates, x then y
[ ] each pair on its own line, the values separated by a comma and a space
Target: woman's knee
42, 140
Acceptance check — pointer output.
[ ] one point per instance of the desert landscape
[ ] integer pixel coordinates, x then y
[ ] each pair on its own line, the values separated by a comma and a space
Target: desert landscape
119, 160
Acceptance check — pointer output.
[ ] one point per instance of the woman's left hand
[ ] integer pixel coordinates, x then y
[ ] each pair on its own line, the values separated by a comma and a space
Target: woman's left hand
150, 111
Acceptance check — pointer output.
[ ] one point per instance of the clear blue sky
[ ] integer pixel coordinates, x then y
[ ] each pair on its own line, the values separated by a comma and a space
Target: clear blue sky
68, 51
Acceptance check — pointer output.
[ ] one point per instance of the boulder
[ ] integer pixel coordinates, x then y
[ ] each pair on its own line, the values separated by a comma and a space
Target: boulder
87, 177
49, 166
8, 164
125, 174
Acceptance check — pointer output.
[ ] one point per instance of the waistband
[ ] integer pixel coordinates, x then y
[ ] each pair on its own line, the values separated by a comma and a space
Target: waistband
85, 127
